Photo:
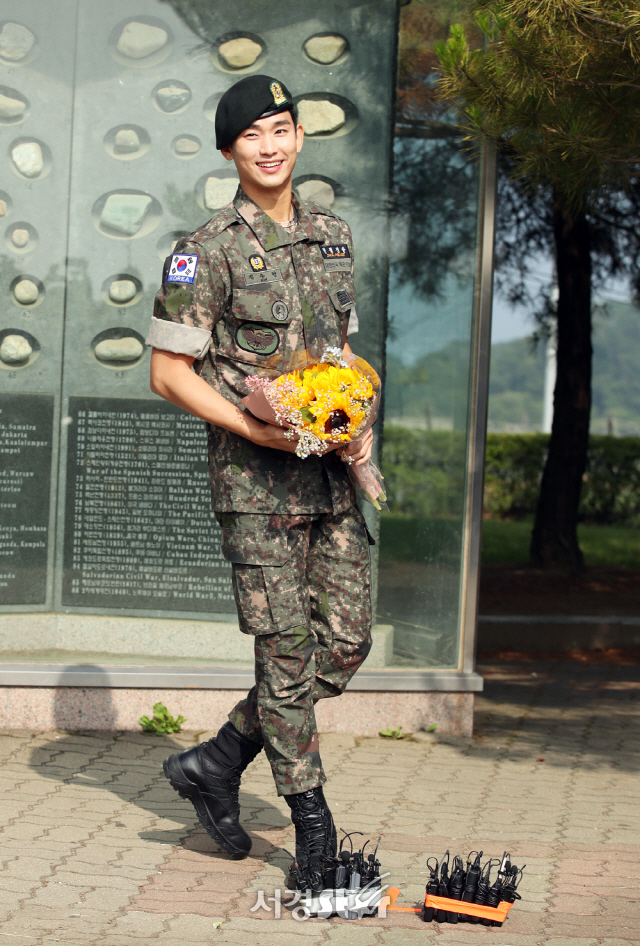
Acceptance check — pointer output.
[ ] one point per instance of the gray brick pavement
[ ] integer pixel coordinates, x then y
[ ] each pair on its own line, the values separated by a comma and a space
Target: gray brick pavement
97, 849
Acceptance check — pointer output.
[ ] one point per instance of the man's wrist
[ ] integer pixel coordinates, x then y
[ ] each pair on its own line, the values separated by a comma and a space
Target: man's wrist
256, 432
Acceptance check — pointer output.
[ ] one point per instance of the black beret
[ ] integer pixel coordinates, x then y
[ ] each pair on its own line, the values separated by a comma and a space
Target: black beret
251, 98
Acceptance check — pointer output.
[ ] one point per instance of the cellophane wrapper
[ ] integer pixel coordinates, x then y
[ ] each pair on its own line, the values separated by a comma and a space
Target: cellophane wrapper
327, 402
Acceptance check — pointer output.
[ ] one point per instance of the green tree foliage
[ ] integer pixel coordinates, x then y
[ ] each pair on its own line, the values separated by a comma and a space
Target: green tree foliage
611, 485
439, 205
558, 87
557, 90
420, 112
424, 479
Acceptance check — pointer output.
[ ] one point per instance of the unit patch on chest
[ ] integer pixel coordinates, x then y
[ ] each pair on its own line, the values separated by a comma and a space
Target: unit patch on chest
257, 338
262, 278
336, 257
257, 263
280, 310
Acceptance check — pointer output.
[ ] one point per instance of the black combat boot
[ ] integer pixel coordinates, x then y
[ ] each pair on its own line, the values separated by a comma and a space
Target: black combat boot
208, 776
315, 840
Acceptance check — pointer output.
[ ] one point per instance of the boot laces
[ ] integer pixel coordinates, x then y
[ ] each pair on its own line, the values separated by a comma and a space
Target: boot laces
233, 784
311, 819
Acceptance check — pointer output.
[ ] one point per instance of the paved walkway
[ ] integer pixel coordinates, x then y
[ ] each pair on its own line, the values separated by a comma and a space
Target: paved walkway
97, 849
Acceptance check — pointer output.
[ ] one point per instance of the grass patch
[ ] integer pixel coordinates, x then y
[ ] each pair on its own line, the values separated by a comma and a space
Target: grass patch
405, 538
508, 542
505, 541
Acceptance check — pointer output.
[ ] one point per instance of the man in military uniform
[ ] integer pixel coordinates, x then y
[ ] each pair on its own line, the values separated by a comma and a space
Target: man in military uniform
267, 277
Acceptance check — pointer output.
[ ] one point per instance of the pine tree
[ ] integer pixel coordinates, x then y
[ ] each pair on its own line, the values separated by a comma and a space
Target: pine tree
557, 89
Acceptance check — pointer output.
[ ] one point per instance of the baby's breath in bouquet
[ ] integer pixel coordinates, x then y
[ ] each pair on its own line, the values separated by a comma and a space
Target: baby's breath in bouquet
324, 403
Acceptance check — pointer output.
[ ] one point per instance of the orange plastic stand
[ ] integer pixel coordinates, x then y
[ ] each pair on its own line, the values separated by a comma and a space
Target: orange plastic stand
390, 902
498, 913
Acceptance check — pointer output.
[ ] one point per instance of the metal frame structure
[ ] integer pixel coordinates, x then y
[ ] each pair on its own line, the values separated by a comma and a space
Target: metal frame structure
479, 399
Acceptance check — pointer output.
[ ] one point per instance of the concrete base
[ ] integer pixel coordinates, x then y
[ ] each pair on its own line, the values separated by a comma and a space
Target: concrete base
103, 708
204, 641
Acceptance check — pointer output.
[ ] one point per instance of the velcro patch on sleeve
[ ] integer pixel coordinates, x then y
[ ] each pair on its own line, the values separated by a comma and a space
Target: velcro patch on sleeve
344, 298
183, 268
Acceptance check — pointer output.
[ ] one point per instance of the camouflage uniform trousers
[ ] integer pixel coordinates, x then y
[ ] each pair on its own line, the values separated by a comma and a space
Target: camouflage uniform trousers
311, 617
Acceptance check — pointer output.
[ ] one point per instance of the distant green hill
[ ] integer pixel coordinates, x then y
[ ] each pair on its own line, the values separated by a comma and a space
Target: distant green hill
432, 392
517, 377
616, 369
516, 386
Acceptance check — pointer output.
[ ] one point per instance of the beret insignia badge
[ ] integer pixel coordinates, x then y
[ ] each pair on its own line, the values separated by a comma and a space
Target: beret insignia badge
278, 95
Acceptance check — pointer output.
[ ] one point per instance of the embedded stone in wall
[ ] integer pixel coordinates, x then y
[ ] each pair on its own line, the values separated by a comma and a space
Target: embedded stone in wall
125, 212
28, 158
26, 292
138, 40
317, 191
11, 108
320, 116
325, 49
3, 208
126, 141
187, 146
239, 53
20, 237
14, 348
119, 349
219, 191
172, 97
16, 42
122, 290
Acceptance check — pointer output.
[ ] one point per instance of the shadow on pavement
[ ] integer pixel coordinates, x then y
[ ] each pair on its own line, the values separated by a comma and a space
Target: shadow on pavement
562, 708
129, 766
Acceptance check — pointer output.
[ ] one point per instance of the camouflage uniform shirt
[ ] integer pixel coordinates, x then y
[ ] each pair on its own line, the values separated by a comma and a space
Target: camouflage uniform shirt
259, 293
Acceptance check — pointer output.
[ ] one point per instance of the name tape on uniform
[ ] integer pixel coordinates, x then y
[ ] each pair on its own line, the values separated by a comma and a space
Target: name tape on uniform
336, 258
259, 279
337, 265
182, 268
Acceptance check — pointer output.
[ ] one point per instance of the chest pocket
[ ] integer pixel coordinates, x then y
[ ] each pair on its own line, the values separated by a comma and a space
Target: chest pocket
255, 326
260, 306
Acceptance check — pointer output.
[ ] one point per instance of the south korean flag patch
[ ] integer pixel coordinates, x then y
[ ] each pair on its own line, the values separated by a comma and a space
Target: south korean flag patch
182, 268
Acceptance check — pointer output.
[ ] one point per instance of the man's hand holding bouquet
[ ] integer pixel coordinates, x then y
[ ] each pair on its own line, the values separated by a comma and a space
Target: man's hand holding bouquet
324, 404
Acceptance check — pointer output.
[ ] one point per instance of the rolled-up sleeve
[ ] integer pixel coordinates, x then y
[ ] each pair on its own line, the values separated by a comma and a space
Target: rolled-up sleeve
187, 308
181, 339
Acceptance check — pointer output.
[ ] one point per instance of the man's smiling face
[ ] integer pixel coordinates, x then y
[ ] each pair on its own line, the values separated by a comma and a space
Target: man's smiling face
265, 153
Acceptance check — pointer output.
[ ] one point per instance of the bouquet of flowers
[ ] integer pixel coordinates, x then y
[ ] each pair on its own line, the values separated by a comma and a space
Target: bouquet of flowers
324, 403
